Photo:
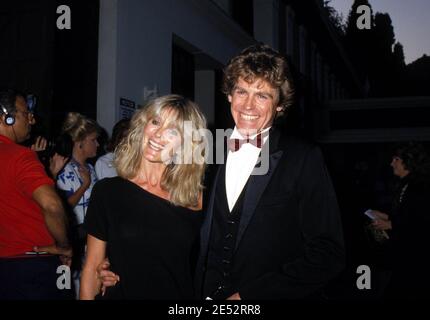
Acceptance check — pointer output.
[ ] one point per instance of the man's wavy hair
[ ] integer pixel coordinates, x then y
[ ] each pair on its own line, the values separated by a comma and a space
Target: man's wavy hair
261, 62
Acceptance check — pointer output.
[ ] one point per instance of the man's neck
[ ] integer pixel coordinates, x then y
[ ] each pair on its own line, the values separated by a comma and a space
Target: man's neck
249, 134
9, 134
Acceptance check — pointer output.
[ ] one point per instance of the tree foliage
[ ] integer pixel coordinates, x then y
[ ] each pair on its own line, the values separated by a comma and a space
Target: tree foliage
375, 53
335, 17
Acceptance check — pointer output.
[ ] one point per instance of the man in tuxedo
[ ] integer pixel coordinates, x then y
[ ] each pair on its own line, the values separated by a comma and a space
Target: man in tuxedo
272, 228
275, 235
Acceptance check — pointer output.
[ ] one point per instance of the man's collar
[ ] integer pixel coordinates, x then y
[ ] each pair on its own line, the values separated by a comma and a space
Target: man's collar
237, 135
6, 140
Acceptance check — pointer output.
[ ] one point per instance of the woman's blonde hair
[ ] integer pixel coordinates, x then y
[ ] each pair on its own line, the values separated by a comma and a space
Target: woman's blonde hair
79, 126
183, 181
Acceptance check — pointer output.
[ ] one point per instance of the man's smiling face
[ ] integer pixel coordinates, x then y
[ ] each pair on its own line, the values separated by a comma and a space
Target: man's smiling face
253, 105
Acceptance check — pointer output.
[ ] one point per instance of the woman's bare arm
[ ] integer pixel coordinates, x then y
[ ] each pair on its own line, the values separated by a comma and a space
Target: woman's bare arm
90, 282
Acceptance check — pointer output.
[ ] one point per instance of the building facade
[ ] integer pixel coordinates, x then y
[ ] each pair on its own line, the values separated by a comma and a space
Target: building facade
151, 48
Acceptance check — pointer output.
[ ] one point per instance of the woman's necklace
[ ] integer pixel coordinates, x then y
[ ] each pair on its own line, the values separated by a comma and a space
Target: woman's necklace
402, 192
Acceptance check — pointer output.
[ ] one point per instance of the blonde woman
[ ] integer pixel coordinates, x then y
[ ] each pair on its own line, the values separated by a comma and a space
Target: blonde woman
147, 220
77, 179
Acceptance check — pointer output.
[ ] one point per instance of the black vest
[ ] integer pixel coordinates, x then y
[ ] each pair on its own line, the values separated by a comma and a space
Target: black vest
225, 225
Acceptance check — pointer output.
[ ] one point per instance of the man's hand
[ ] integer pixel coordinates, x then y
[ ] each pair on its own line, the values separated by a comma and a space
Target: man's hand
40, 144
107, 277
381, 224
235, 296
380, 215
64, 253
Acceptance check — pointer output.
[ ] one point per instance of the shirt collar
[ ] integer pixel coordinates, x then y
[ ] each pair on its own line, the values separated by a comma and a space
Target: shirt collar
6, 140
236, 134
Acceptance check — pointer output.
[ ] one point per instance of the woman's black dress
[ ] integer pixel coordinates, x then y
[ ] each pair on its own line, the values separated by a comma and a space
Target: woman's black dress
151, 244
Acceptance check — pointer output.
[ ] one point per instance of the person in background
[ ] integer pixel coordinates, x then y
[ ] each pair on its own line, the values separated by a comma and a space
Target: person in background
33, 223
147, 220
105, 165
407, 224
54, 155
77, 180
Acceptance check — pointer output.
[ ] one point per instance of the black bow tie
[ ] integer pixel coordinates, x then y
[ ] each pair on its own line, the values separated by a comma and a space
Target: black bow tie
236, 144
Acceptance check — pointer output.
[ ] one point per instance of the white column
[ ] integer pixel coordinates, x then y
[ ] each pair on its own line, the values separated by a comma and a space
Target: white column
107, 64
266, 22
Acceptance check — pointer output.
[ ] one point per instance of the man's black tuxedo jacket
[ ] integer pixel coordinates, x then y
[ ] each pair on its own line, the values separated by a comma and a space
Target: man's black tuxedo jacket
290, 240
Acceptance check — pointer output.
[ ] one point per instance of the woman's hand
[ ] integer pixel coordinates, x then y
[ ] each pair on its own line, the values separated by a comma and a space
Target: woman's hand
382, 224
85, 176
235, 296
380, 215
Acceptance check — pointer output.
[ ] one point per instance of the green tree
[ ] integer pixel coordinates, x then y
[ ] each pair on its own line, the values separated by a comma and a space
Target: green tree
399, 55
383, 70
374, 54
335, 17
400, 76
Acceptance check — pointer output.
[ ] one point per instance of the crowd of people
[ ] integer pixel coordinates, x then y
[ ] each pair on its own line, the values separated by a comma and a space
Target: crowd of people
136, 226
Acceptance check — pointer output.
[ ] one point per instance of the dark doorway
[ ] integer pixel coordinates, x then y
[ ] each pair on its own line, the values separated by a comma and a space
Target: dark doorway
183, 67
58, 66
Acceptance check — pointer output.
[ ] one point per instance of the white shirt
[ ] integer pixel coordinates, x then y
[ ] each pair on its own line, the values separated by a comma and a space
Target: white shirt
104, 166
239, 167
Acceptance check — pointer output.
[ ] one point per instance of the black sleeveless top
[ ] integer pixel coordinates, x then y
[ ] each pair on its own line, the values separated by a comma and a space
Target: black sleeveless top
151, 244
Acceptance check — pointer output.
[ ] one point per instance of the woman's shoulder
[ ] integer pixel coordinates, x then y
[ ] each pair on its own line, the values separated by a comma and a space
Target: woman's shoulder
70, 166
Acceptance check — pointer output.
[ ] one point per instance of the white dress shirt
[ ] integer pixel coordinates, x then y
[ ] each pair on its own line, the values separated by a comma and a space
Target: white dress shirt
239, 166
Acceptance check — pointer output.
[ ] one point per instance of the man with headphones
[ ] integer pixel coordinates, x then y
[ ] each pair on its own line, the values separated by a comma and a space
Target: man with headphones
33, 236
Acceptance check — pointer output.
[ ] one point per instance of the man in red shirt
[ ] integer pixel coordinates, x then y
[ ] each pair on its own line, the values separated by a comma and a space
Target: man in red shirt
33, 237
